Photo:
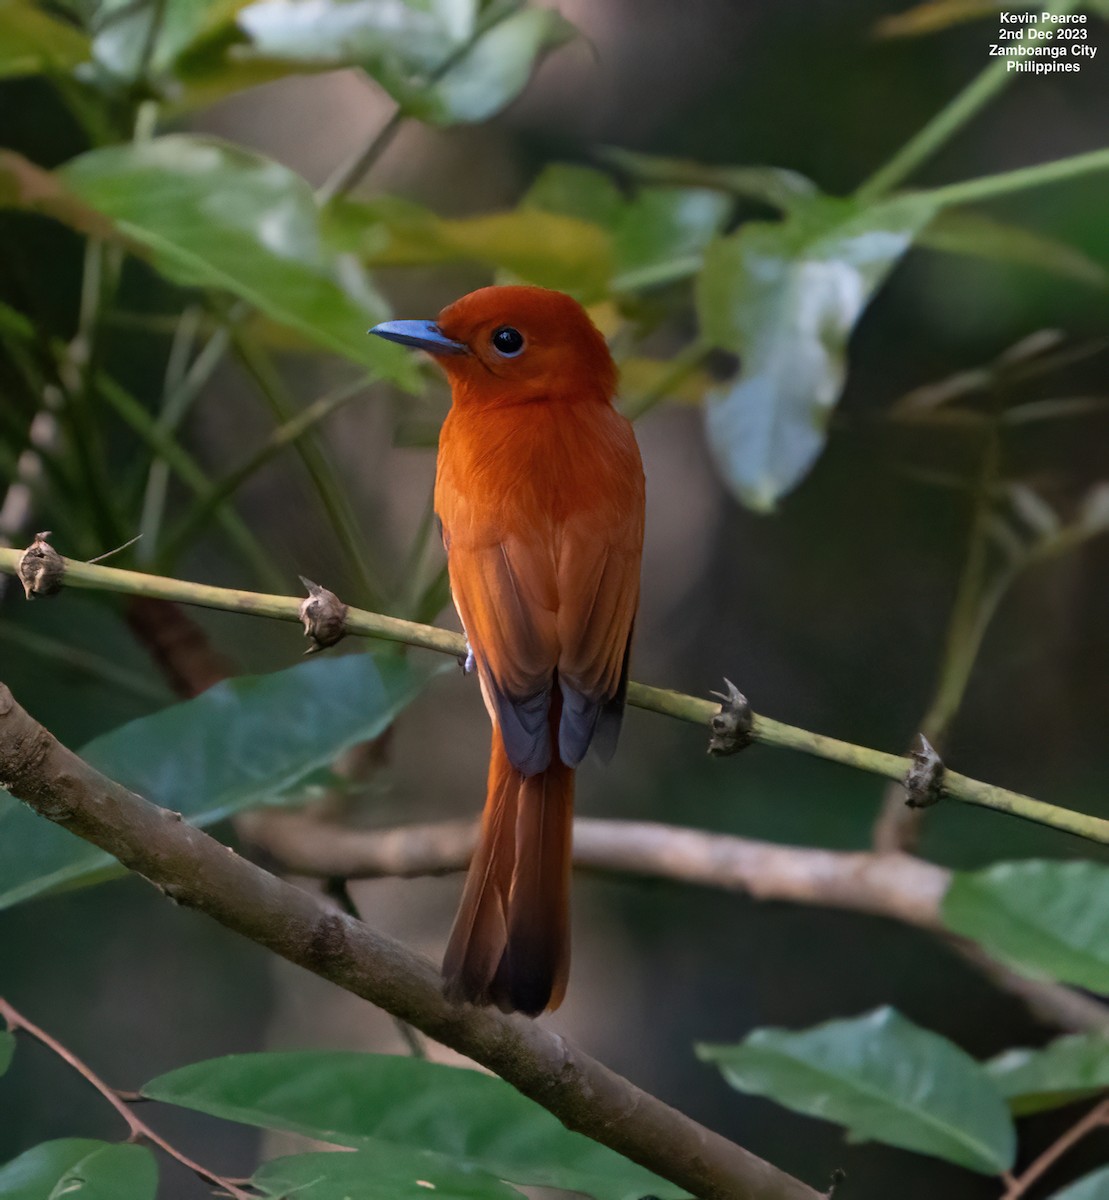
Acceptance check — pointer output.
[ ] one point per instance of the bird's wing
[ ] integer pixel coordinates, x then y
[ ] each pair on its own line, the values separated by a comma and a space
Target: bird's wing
598, 588
504, 588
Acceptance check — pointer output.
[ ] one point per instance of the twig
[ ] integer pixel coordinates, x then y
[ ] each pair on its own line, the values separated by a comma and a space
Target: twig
895, 886
138, 1129
193, 869
673, 704
948, 121
1094, 1119
898, 825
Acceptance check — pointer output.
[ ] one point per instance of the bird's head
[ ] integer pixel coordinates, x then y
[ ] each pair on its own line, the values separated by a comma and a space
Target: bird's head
512, 344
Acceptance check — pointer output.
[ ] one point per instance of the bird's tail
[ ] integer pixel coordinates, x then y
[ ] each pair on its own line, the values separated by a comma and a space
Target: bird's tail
510, 945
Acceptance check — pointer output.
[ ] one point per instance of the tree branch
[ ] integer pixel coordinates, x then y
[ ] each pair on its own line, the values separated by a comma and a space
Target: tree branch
897, 886
194, 870
138, 1129
1096, 1118
673, 704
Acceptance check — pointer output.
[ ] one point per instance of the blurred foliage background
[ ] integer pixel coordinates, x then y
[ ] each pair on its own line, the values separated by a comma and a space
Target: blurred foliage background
830, 612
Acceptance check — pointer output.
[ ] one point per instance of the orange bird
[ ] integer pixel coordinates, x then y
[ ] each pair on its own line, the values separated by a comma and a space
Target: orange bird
539, 490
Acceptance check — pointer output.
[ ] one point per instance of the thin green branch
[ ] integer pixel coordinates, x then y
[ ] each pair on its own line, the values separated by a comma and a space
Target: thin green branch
348, 174
190, 474
333, 497
988, 186
673, 704
182, 386
680, 368
284, 435
947, 122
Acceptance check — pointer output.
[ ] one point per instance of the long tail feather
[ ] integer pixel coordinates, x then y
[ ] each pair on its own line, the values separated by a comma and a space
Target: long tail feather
510, 945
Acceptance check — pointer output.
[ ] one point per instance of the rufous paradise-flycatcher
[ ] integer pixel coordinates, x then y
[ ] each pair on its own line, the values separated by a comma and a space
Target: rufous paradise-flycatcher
539, 489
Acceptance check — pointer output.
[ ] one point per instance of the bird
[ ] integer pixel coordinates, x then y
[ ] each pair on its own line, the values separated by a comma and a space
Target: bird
540, 493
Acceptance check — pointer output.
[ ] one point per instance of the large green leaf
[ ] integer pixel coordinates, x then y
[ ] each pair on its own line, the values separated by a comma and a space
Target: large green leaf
1063, 1071
31, 41
658, 234
1049, 919
378, 1172
355, 1099
7, 1049
81, 1168
549, 249
1089, 1187
243, 743
785, 297
884, 1078
209, 214
443, 61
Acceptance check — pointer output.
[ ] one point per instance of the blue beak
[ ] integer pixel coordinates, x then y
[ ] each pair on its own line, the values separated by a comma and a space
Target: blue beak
425, 335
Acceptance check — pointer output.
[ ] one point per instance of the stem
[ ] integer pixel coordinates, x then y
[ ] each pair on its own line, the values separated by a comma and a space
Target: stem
679, 369
673, 704
77, 370
989, 186
948, 121
349, 173
284, 435
966, 628
187, 470
1094, 1119
332, 496
137, 1127
670, 271
182, 386
898, 825
157, 15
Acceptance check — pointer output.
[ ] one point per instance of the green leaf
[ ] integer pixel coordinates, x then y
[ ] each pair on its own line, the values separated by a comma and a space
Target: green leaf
982, 237
1065, 1070
376, 1173
82, 1168
884, 1078
32, 41
359, 1100
493, 73
7, 1049
430, 55
657, 235
1089, 1187
209, 214
124, 33
543, 248
1047, 919
243, 743
785, 297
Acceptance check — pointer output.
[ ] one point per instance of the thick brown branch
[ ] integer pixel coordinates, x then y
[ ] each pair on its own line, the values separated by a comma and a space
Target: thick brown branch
193, 869
898, 886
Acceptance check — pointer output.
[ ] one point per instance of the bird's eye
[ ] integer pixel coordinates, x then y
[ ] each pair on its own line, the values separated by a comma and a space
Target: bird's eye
507, 342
